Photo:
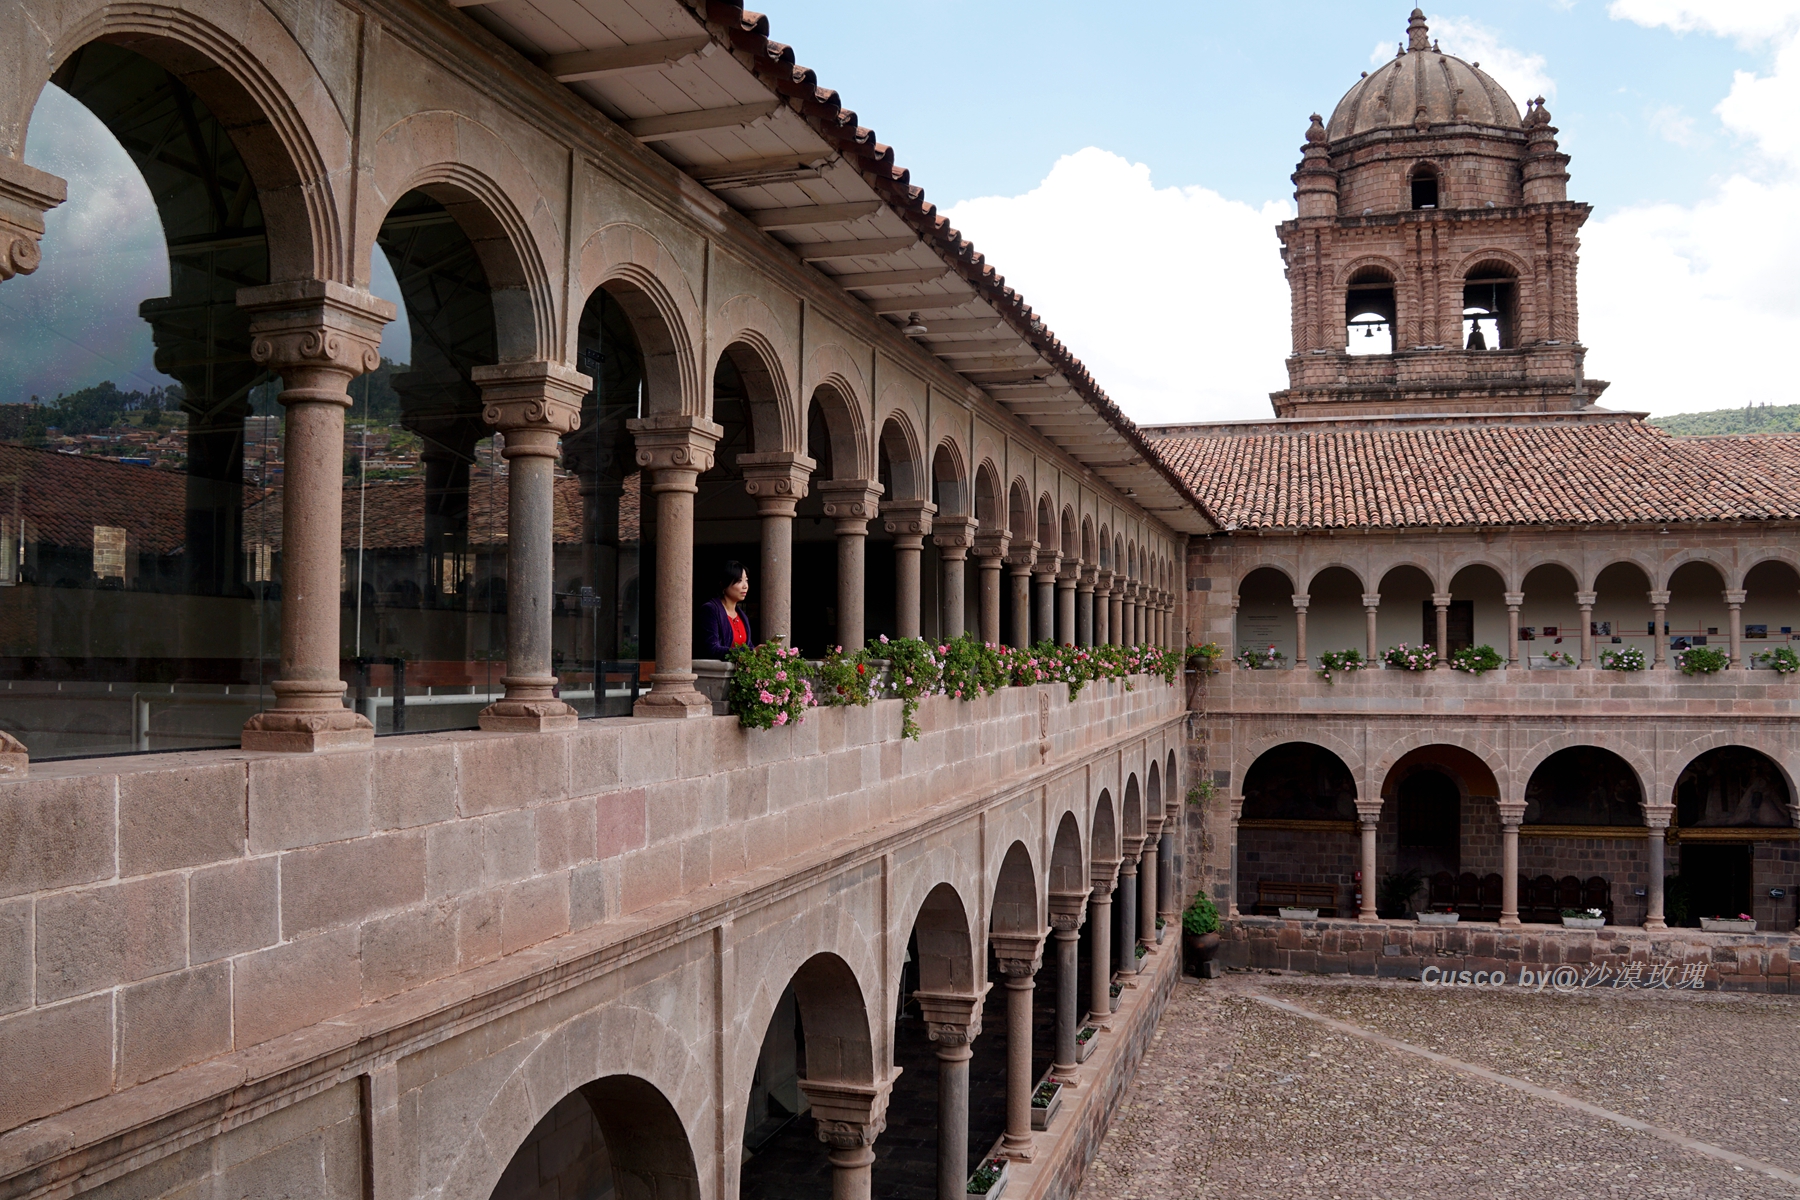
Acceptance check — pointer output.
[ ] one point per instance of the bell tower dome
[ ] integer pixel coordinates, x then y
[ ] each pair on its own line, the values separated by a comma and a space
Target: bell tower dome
1432, 266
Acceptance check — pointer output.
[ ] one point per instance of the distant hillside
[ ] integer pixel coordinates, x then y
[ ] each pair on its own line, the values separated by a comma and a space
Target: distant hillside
1763, 418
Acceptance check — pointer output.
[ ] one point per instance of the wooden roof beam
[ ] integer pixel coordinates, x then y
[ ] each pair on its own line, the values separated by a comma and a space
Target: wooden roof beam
812, 214
705, 120
596, 64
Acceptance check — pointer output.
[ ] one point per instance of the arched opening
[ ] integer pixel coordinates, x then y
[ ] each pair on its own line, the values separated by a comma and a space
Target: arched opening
1697, 614
1582, 842
140, 552
1423, 186
1734, 821
1334, 613
951, 492
1477, 612
1405, 593
1371, 318
937, 985
1490, 313
1440, 829
833, 442
1265, 614
1297, 840
1549, 618
1015, 914
987, 500
1622, 613
818, 1033
1771, 612
615, 1137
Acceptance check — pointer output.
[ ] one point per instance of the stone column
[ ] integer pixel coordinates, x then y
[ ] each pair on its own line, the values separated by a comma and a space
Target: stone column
1084, 608
953, 536
952, 1022
26, 194
1100, 941
1734, 604
1115, 621
1166, 908
909, 521
674, 449
1128, 613
990, 556
1441, 600
1510, 818
318, 336
777, 480
1128, 895
1067, 911
851, 504
1103, 624
1585, 601
1301, 600
850, 1117
1657, 819
1140, 620
1147, 884
1019, 956
1237, 812
1371, 605
1066, 583
1019, 559
1368, 825
1659, 644
532, 405
1043, 596
1513, 601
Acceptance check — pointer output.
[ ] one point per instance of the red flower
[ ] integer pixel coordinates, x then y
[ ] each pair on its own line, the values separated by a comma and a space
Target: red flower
861, 669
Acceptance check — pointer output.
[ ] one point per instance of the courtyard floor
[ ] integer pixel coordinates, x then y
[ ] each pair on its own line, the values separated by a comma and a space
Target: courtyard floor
1260, 1085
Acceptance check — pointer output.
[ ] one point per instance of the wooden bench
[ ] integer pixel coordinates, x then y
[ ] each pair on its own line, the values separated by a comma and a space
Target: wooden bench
1272, 895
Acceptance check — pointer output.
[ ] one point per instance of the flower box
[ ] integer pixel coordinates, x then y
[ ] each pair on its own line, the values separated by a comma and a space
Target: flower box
989, 1180
1113, 992
1086, 1038
1727, 925
1298, 914
1584, 922
1140, 950
1160, 925
1439, 918
1046, 1099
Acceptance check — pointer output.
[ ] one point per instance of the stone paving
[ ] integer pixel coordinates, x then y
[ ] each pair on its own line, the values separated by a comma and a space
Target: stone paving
1239, 1099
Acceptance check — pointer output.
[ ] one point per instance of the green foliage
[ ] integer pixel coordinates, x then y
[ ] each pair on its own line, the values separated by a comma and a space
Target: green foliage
1782, 658
1397, 890
1476, 660
1409, 658
1757, 418
768, 686
847, 678
971, 669
1701, 660
1626, 658
1202, 792
1678, 900
915, 672
986, 1176
1339, 662
1204, 658
1251, 659
1200, 916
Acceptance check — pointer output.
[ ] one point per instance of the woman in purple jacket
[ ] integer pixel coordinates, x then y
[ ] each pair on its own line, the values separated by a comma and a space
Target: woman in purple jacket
723, 624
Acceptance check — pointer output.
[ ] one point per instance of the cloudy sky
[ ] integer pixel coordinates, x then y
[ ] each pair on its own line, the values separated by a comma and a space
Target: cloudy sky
1124, 164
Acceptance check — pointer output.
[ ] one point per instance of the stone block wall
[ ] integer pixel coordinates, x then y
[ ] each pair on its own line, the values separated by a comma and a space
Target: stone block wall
1298, 856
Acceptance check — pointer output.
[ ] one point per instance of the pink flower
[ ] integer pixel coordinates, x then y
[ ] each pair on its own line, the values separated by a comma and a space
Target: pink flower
781, 717
943, 649
884, 640
781, 675
766, 697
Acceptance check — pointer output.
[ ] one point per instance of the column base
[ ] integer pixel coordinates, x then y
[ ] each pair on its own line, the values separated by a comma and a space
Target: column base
1368, 918
527, 716
15, 759
672, 695
307, 731
1018, 1151
1100, 1021
1656, 924
1510, 922
1069, 1076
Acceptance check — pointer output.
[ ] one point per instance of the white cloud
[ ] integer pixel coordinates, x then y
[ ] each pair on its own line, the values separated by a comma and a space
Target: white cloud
1672, 124
1524, 76
1689, 307
1173, 297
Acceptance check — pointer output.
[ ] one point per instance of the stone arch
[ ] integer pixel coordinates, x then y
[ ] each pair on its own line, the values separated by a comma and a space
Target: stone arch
754, 342
987, 498
1463, 562
1712, 558
501, 208
1588, 581
948, 957
1153, 788
1072, 540
1019, 517
1356, 266
1313, 573
1090, 548
1105, 550
1068, 863
1017, 907
1103, 838
620, 1040
1256, 748
1505, 258
1642, 765
1120, 565
1416, 562
899, 446
950, 489
1489, 755
1750, 738
1132, 810
832, 373
1749, 560
1172, 784
1049, 527
264, 88
645, 1147
649, 284
1298, 779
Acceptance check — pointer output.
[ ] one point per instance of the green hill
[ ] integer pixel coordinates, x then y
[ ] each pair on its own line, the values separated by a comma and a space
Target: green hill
1760, 418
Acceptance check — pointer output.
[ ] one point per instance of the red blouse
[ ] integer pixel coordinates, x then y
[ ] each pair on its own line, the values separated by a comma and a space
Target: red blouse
739, 634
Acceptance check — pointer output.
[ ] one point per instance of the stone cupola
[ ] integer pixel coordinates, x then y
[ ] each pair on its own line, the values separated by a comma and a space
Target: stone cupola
1433, 260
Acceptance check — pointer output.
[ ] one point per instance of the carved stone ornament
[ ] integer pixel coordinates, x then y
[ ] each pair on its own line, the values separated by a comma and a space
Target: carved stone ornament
531, 398
303, 731
991, 544
316, 334
954, 532
776, 480
907, 518
952, 1018
1104, 873
852, 503
1019, 954
675, 442
1067, 910
849, 1115
26, 194
1021, 553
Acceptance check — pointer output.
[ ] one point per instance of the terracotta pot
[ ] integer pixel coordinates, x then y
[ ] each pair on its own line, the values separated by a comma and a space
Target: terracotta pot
1201, 947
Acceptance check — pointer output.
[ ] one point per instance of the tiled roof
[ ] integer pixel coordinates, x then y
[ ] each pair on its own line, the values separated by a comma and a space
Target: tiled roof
1498, 474
62, 497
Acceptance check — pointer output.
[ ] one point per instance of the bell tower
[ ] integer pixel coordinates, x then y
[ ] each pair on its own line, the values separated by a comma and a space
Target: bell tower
1432, 266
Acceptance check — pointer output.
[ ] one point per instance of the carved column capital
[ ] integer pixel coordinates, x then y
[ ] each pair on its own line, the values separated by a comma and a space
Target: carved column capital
1441, 599
1021, 554
953, 532
1048, 565
1371, 599
1019, 954
1103, 582
1659, 598
952, 1018
777, 480
1104, 873
908, 520
850, 1116
991, 544
1087, 580
26, 194
675, 448
851, 503
1586, 599
316, 334
533, 403
1659, 816
1513, 599
1067, 910
1735, 596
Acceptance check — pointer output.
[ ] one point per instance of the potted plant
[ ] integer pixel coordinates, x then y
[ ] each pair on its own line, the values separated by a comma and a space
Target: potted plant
1783, 660
1409, 658
1293, 912
1583, 918
1675, 900
989, 1179
1205, 659
1476, 660
1628, 658
1259, 660
1558, 658
1701, 660
1742, 923
1339, 662
1440, 916
1046, 1098
1393, 899
1086, 1038
1140, 950
1113, 992
1200, 930
1160, 922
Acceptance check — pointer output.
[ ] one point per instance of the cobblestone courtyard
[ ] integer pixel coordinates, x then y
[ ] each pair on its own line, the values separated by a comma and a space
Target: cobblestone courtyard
1270, 1086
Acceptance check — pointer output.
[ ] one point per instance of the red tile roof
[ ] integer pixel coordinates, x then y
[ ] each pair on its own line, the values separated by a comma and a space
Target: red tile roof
1499, 474
63, 496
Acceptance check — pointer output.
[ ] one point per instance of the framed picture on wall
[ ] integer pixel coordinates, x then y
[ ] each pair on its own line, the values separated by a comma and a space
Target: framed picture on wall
1756, 631
1549, 631
1527, 633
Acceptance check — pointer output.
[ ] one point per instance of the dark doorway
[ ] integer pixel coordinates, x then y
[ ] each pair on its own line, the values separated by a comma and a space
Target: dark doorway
1459, 625
1430, 809
1717, 875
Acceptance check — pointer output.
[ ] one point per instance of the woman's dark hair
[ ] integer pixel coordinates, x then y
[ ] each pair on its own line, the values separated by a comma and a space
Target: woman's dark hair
729, 574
